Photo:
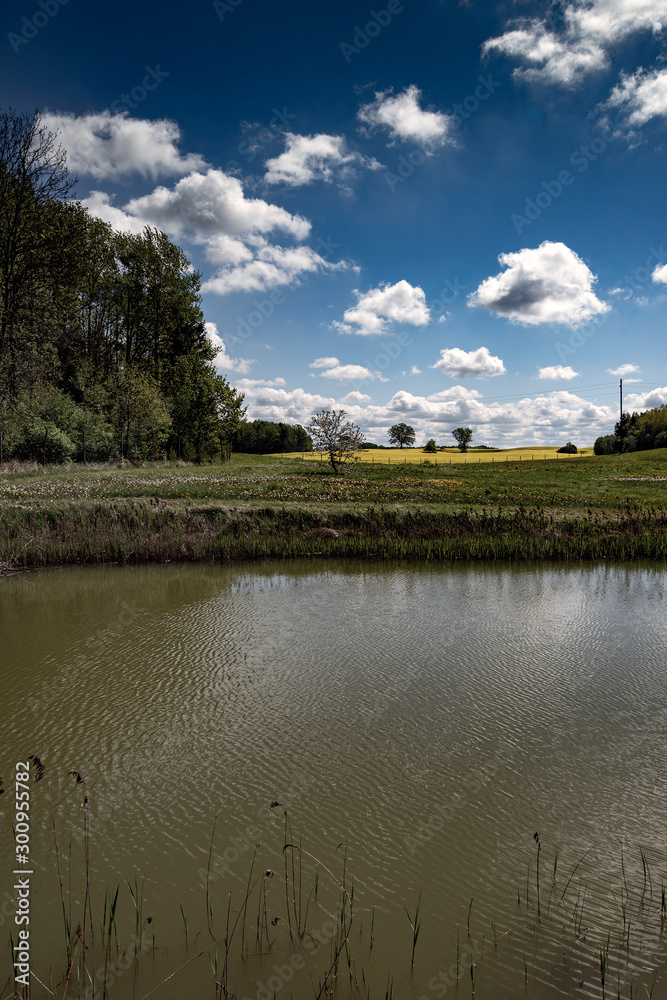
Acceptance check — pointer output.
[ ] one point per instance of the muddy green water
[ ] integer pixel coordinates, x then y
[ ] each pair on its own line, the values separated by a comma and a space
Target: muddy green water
431, 720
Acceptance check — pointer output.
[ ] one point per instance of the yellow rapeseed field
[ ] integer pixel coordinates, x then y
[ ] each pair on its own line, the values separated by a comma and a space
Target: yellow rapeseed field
451, 456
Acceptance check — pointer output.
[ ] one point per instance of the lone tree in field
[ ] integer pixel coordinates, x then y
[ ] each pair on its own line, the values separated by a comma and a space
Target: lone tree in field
332, 433
463, 436
402, 434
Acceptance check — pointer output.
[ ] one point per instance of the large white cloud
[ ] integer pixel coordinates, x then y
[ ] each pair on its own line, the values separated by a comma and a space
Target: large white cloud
639, 97
376, 309
646, 400
563, 373
565, 53
458, 363
549, 284
109, 146
321, 157
211, 209
404, 119
212, 203
550, 418
660, 274
222, 360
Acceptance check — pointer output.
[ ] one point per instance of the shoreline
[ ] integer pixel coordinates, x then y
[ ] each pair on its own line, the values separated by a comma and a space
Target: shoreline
137, 531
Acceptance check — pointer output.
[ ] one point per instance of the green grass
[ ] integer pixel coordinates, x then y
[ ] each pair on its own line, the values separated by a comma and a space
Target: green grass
612, 507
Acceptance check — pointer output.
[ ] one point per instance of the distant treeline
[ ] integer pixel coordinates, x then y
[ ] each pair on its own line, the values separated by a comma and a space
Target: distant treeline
262, 437
636, 432
102, 337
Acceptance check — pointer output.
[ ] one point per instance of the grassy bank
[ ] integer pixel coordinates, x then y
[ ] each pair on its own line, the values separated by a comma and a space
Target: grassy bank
610, 507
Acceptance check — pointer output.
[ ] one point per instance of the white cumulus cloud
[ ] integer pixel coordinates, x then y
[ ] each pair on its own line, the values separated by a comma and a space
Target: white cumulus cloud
377, 308
352, 373
623, 370
549, 284
321, 157
660, 274
640, 96
324, 363
580, 43
211, 209
270, 266
109, 146
211, 203
404, 119
647, 400
458, 363
561, 372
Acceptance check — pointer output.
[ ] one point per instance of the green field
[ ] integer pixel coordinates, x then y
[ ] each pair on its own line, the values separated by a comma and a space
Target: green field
268, 506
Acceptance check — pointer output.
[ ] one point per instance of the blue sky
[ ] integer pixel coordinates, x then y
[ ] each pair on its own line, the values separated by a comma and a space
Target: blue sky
419, 210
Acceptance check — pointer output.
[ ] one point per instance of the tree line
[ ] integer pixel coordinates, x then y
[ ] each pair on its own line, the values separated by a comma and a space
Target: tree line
103, 348
636, 432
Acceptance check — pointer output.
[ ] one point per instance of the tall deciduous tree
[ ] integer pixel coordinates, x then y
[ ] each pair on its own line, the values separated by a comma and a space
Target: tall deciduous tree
402, 434
33, 183
463, 437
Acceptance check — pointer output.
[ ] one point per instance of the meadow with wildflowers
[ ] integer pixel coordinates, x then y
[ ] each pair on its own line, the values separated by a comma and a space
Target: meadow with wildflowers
271, 507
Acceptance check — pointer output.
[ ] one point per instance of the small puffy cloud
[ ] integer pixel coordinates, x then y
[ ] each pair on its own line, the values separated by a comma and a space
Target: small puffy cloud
109, 146
324, 363
251, 383
415, 371
222, 359
549, 284
354, 397
564, 53
623, 370
659, 276
309, 158
550, 59
352, 373
404, 119
270, 265
399, 303
639, 97
460, 364
561, 372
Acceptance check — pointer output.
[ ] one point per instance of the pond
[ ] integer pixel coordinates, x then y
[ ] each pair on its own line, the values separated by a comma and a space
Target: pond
418, 726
